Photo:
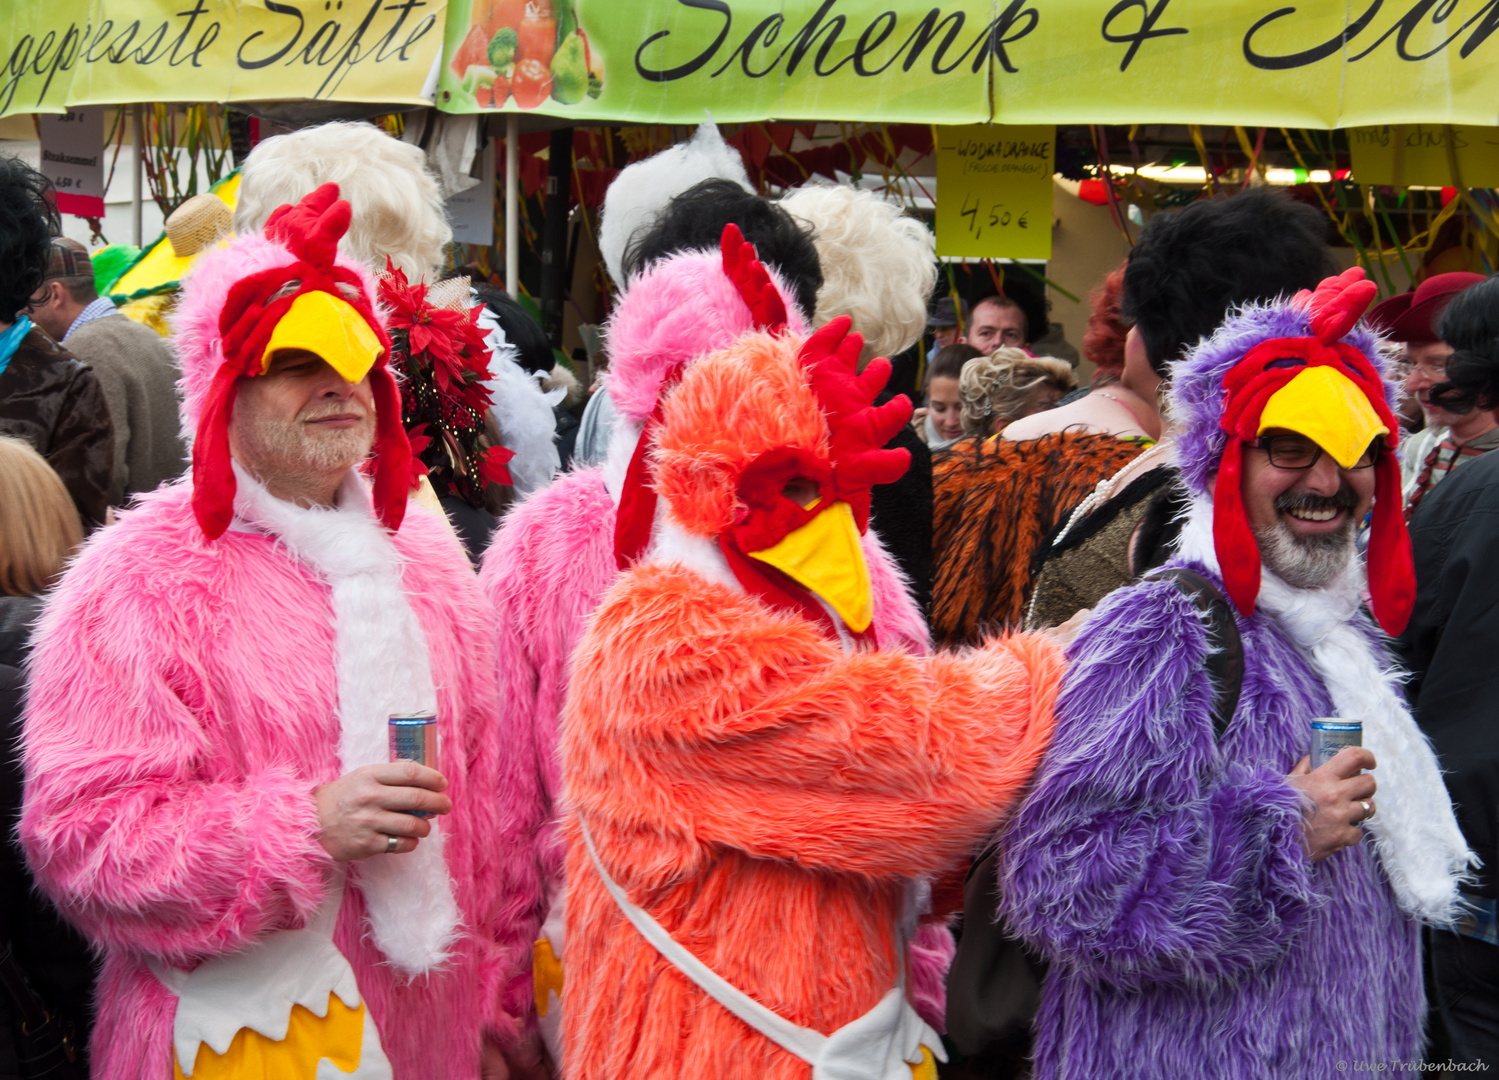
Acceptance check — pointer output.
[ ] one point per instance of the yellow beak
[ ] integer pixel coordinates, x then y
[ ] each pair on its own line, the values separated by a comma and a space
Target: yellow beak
825, 557
328, 326
1327, 407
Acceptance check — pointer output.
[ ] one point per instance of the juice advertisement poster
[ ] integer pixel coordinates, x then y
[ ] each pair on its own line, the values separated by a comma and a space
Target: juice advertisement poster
518, 54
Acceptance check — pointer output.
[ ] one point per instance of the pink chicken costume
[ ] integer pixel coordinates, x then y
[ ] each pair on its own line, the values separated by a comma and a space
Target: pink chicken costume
219, 653
756, 785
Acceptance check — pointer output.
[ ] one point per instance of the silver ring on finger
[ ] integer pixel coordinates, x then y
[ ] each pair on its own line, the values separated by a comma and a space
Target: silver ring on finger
1368, 810
393, 842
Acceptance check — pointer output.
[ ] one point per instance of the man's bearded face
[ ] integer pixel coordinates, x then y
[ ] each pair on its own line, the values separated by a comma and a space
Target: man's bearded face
301, 421
1305, 520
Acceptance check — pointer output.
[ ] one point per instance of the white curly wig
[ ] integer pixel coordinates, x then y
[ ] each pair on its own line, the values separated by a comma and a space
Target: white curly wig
878, 263
398, 208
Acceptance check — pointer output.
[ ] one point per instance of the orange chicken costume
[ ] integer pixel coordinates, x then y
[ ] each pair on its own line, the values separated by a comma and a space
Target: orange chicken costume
755, 789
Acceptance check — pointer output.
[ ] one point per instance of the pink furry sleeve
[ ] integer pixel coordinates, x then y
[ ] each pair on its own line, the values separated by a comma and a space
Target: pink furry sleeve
767, 738
140, 836
503, 802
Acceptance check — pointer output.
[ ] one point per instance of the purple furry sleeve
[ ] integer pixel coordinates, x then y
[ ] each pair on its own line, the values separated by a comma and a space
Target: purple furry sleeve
151, 845
1141, 855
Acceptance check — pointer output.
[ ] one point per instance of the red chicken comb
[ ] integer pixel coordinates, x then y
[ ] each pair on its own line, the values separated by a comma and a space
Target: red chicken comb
312, 228
1338, 303
859, 428
744, 269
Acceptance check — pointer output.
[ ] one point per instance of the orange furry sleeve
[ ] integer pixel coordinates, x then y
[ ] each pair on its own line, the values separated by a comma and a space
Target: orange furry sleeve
697, 706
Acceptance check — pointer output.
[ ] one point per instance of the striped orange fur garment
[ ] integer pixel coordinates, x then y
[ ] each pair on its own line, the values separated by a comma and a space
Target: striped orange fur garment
994, 501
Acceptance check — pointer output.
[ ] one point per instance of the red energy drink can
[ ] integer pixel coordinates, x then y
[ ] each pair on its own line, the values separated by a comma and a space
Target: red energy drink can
414, 738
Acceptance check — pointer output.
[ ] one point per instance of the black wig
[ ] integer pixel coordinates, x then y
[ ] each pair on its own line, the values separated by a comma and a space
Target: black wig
695, 219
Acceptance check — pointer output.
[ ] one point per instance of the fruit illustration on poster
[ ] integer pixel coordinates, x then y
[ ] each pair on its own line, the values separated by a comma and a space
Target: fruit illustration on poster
532, 50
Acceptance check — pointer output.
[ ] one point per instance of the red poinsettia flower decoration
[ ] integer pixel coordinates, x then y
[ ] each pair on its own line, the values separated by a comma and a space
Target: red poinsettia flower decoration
492, 465
449, 342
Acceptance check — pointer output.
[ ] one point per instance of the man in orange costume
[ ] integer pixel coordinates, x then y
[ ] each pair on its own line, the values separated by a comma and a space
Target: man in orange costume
756, 790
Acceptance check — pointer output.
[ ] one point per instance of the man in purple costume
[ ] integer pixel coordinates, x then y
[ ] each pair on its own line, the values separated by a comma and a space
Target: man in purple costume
1210, 905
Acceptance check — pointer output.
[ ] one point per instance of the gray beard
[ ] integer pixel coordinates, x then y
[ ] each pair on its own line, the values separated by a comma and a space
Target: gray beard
1306, 562
288, 455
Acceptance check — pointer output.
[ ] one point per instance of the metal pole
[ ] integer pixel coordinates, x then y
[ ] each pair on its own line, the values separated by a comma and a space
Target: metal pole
139, 144
512, 205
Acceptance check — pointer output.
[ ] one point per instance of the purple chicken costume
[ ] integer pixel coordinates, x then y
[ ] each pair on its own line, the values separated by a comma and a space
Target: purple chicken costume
1161, 869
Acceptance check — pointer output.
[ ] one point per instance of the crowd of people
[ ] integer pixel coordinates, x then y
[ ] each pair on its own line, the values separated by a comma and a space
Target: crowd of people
765, 726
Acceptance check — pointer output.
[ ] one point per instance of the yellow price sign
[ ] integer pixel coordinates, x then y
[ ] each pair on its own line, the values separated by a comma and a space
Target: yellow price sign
994, 190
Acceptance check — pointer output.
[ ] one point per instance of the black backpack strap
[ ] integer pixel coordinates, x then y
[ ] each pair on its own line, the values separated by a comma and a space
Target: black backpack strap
1225, 663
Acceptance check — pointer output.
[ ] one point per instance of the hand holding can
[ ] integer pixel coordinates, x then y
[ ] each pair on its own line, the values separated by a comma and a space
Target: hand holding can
413, 737
1330, 734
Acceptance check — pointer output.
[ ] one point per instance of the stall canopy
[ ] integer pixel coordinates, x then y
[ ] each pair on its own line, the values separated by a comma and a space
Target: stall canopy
1241, 62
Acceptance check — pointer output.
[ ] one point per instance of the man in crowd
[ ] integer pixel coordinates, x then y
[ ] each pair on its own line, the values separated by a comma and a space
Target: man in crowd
1212, 905
998, 321
1449, 437
47, 396
948, 325
211, 795
133, 364
1448, 649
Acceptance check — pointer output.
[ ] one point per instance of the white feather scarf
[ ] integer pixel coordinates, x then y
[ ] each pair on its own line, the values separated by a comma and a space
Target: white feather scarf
1415, 832
522, 410
383, 670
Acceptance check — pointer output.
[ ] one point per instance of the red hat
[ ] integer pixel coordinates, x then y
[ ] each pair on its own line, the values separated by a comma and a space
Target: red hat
307, 299
1412, 316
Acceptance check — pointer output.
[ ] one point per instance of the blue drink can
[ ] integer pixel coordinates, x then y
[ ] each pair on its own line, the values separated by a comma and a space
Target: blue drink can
1330, 734
414, 738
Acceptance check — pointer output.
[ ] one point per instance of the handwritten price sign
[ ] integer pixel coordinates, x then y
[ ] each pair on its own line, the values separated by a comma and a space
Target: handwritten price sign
994, 191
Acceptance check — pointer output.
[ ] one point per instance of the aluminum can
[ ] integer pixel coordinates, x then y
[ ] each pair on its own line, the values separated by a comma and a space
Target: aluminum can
1330, 734
413, 737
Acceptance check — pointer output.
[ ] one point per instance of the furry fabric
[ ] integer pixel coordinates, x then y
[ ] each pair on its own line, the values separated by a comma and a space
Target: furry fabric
1421, 849
548, 568
523, 412
383, 671
1196, 403
1162, 870
767, 797
731, 408
671, 313
184, 706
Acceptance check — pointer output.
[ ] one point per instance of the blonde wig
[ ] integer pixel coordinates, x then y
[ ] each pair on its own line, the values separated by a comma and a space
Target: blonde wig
398, 208
1003, 385
878, 265
39, 526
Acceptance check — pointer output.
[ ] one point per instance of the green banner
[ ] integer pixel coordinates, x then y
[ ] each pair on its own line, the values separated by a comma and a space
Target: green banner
656, 61
1249, 62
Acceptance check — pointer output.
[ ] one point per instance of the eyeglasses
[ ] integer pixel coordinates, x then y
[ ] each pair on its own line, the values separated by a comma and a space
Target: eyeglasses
1436, 371
1300, 453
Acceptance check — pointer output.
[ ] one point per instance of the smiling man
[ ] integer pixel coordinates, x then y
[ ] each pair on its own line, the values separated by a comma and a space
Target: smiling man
210, 792
1211, 905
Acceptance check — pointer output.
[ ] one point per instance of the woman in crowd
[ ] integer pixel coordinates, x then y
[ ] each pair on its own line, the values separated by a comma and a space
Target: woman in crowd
941, 421
39, 531
1009, 385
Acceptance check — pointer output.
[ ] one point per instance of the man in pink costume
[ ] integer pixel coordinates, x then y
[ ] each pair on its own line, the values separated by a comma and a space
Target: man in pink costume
210, 795
555, 555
